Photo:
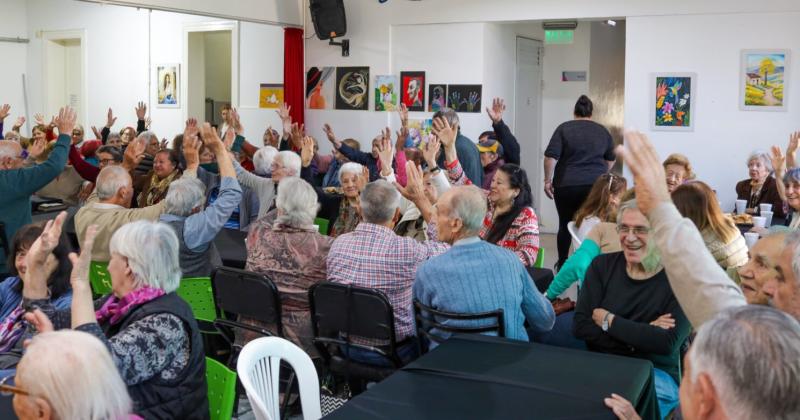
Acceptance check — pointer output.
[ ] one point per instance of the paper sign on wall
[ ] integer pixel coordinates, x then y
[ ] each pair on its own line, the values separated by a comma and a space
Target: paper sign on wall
573, 76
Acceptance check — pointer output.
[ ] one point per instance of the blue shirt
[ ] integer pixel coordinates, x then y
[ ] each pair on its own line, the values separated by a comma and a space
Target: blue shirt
476, 276
201, 228
10, 299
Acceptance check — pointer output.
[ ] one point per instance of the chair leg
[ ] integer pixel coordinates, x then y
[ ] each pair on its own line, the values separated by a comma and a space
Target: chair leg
287, 396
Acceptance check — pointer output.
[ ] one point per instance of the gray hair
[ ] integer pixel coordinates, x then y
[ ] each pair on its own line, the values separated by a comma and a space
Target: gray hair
297, 202
468, 204
184, 195
379, 202
763, 156
792, 175
448, 114
152, 252
115, 152
262, 159
9, 149
147, 136
351, 168
113, 134
752, 355
82, 380
628, 205
793, 240
291, 161
13, 136
110, 180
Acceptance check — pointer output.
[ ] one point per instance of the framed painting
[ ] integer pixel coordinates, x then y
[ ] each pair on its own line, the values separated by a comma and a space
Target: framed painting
385, 93
352, 88
168, 85
413, 85
437, 97
672, 101
464, 98
270, 95
763, 80
319, 87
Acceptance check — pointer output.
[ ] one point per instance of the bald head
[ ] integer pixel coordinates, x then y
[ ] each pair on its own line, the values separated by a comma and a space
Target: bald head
10, 152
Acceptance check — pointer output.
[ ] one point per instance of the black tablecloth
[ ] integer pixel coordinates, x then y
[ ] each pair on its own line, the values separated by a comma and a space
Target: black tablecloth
480, 377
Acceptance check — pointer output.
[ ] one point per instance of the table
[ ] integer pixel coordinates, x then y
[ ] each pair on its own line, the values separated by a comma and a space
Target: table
481, 377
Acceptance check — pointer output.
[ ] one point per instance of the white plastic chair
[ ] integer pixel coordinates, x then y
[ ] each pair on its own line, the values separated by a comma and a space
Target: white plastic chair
259, 370
573, 231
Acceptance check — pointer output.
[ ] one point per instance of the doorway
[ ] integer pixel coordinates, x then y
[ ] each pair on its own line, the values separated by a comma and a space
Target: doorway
527, 111
64, 72
211, 71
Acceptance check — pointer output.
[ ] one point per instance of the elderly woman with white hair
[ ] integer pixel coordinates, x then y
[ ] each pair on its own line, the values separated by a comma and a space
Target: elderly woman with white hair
761, 187
626, 306
262, 161
69, 375
292, 253
150, 331
197, 227
284, 164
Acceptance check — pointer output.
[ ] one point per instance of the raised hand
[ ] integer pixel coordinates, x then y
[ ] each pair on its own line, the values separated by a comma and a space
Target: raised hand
4, 110
791, 149
134, 153
36, 148
496, 111
19, 122
191, 145
402, 136
110, 118
79, 277
307, 152
431, 151
414, 190
298, 132
164, 144
39, 118
191, 130
237, 122
65, 121
141, 110
385, 154
326, 128
402, 111
286, 119
97, 133
230, 136
147, 122
211, 139
363, 180
472, 102
35, 285
446, 134
648, 174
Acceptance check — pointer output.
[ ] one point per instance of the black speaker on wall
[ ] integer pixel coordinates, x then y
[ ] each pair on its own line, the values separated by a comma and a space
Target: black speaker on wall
328, 17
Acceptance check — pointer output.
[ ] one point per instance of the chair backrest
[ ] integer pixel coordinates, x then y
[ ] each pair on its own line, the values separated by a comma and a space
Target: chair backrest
539, 258
340, 311
259, 367
249, 294
221, 389
323, 225
573, 231
99, 278
197, 292
428, 319
4, 240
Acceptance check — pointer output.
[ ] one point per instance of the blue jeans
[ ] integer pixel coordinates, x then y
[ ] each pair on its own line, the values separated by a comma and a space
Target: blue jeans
560, 335
666, 391
407, 353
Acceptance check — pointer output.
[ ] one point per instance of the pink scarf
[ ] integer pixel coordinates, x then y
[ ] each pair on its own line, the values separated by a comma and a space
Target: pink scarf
115, 308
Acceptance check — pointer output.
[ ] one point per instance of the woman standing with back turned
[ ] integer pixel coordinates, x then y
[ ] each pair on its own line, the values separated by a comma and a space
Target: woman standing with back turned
579, 152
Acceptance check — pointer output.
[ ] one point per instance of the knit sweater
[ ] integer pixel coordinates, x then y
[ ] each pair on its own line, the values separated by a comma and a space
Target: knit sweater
475, 276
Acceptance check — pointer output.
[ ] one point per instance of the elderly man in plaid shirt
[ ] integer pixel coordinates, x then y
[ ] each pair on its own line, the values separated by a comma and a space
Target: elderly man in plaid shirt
373, 256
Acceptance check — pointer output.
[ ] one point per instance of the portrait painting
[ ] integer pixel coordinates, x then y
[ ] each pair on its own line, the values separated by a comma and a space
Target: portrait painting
320, 87
437, 97
168, 87
413, 89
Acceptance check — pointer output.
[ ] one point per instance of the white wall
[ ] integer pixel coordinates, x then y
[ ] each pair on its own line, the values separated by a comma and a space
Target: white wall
267, 11
14, 60
724, 135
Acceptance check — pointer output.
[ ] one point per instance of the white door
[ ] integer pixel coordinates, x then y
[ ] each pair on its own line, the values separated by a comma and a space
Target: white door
528, 113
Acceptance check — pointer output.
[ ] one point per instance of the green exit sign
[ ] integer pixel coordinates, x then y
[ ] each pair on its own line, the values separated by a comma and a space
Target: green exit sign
559, 36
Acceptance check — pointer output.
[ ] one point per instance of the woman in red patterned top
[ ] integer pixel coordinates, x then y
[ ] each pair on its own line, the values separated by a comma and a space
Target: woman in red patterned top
510, 222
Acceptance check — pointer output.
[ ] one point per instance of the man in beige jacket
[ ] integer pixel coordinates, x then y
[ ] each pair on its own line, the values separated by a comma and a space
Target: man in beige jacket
700, 285
109, 205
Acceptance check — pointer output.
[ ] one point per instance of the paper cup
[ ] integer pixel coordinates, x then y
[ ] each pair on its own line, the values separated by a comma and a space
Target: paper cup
765, 207
750, 238
767, 215
741, 206
759, 221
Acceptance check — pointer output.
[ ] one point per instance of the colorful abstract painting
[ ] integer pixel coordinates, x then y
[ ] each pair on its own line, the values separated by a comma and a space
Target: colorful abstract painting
320, 87
270, 95
673, 101
413, 85
763, 80
464, 98
385, 93
352, 88
418, 132
437, 97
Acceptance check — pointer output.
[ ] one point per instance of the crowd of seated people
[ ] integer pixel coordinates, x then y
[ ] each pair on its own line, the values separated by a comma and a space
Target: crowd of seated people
450, 224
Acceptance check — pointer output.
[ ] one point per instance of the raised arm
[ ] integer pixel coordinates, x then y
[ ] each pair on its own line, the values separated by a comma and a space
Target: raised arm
779, 165
141, 111
35, 178
504, 135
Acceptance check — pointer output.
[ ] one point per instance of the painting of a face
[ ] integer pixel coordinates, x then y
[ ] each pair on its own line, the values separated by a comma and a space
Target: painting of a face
413, 83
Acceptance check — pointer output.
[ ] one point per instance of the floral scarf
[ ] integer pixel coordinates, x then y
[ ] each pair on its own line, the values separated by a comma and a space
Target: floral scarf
157, 189
347, 220
114, 309
11, 329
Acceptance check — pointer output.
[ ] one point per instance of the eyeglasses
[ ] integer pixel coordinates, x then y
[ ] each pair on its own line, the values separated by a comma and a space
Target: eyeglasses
107, 161
637, 230
9, 390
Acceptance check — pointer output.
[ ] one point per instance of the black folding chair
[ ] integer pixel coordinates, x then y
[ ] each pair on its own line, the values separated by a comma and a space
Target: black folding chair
4, 244
429, 319
339, 313
244, 293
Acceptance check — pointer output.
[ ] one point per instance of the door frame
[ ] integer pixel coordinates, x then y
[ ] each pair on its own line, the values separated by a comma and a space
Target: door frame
51, 36
215, 26
535, 179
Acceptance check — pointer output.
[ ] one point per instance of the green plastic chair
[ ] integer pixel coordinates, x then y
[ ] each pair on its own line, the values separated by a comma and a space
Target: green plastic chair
197, 292
99, 278
221, 389
323, 225
539, 259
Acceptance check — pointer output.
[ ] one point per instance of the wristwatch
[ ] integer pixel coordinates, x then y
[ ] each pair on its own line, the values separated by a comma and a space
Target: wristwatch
605, 321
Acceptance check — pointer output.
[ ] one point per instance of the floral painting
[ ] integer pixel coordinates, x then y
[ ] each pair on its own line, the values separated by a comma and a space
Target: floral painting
762, 80
673, 102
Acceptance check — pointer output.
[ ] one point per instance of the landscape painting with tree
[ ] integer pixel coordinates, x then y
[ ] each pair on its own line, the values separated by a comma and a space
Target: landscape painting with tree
763, 82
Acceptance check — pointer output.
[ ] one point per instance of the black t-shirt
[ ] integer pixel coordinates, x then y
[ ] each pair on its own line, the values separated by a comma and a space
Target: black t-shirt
582, 148
634, 303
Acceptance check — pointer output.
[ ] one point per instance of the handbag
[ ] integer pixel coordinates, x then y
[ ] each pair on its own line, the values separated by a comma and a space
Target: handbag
562, 305
333, 394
